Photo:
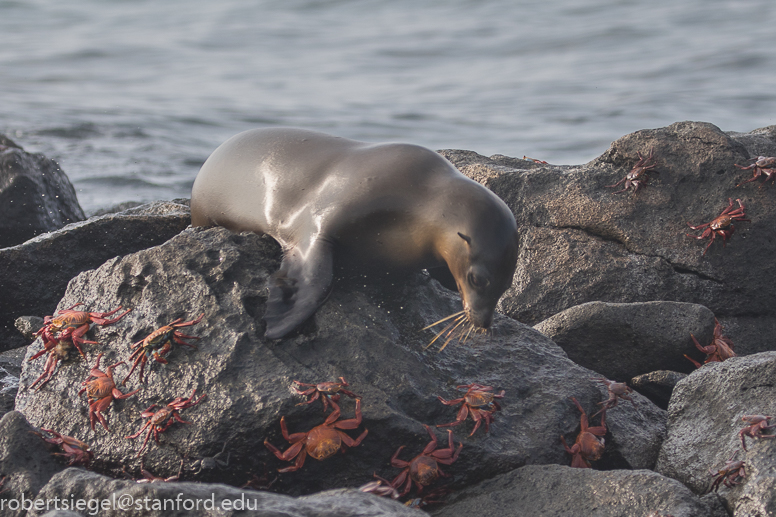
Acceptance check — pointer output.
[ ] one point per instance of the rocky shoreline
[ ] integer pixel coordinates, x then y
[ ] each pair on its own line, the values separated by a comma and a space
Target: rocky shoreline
611, 284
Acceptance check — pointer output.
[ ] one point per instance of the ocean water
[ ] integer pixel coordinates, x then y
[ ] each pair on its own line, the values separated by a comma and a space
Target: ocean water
132, 96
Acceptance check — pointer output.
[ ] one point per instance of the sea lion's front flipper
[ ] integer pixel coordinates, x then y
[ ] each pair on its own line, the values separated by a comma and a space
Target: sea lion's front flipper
298, 288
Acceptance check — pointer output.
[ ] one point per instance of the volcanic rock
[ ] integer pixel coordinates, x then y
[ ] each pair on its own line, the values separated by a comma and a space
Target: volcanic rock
367, 332
580, 242
554, 490
704, 421
117, 497
657, 386
34, 275
25, 460
623, 340
35, 195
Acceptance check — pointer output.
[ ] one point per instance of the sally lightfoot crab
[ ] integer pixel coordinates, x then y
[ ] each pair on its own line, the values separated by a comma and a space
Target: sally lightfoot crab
101, 390
757, 424
587, 447
423, 469
72, 325
477, 401
730, 475
762, 165
159, 343
161, 420
722, 225
59, 352
720, 348
321, 441
76, 451
638, 175
616, 391
328, 392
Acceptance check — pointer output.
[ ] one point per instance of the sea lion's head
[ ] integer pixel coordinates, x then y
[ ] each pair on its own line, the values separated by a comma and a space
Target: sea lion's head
484, 272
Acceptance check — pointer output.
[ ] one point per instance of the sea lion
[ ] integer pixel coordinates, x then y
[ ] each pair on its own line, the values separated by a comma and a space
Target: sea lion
382, 205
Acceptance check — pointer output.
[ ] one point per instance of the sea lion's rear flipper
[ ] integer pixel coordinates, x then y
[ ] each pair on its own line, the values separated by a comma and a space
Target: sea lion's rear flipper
298, 288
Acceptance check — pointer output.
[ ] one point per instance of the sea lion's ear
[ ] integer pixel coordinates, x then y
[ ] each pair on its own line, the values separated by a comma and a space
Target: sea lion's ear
466, 238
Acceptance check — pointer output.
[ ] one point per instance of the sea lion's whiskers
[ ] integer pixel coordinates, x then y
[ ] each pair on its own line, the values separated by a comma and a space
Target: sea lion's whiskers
443, 319
451, 334
468, 333
453, 324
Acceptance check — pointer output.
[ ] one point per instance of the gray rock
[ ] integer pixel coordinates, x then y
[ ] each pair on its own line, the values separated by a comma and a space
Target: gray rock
580, 242
623, 340
117, 497
657, 386
24, 460
704, 421
554, 490
35, 195
368, 331
9, 384
28, 326
34, 275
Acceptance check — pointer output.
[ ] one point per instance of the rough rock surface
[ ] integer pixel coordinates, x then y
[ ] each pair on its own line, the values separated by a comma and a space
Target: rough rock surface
24, 459
126, 497
580, 242
34, 275
657, 386
704, 421
35, 195
368, 332
623, 340
559, 491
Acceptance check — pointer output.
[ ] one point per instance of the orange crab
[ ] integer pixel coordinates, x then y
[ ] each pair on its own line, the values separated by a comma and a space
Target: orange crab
722, 225
159, 343
76, 451
729, 475
101, 391
617, 391
757, 424
587, 447
72, 325
762, 165
479, 402
423, 469
328, 392
720, 348
320, 442
161, 420
638, 175
58, 352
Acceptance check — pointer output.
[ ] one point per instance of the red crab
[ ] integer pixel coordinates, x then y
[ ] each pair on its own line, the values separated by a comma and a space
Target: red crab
423, 469
761, 165
722, 225
729, 475
380, 487
757, 424
59, 352
587, 446
720, 348
328, 392
320, 442
76, 451
72, 326
638, 175
159, 343
161, 420
101, 391
617, 391
150, 478
479, 402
